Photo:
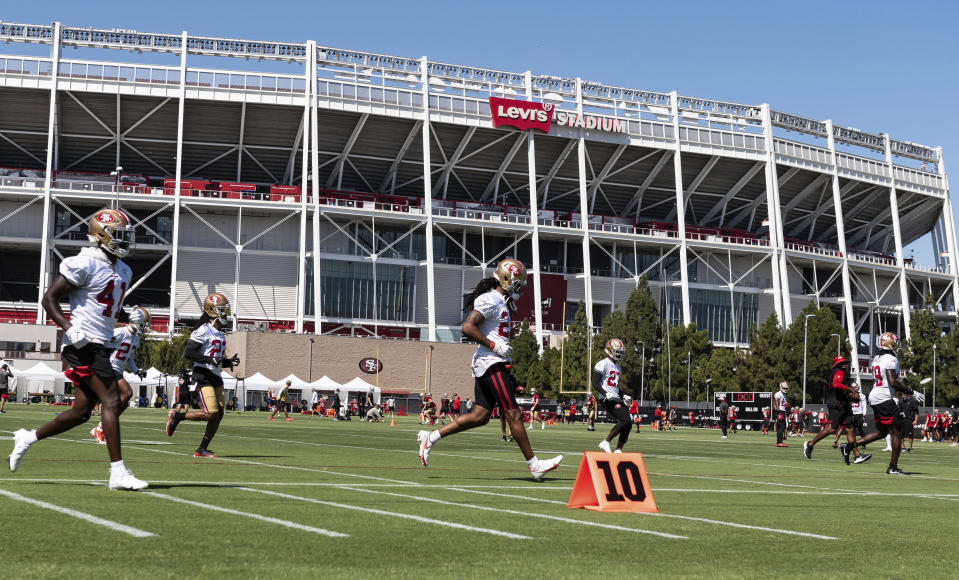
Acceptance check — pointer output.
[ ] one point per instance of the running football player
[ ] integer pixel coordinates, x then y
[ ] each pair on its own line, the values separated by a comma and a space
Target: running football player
839, 396
94, 282
888, 418
488, 323
205, 348
605, 381
126, 338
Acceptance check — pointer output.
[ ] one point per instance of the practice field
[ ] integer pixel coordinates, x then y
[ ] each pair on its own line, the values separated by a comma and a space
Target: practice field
318, 498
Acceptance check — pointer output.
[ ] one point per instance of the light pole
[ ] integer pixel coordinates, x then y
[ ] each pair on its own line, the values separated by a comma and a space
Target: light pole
689, 358
116, 183
925, 382
933, 375
429, 372
310, 372
805, 335
838, 343
642, 371
707, 390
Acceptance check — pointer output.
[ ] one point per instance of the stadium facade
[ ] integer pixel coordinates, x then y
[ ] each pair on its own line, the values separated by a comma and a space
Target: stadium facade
421, 175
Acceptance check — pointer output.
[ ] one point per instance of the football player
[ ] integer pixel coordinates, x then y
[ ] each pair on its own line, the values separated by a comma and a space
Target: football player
94, 282
780, 411
281, 402
888, 418
605, 381
127, 341
839, 396
590, 410
535, 413
205, 348
488, 323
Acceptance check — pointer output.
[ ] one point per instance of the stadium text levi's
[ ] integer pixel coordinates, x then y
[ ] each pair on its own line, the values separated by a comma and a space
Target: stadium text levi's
528, 115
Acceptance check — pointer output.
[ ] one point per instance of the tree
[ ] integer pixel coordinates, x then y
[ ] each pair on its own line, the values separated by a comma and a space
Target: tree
917, 352
576, 367
720, 368
761, 369
525, 353
165, 354
818, 353
637, 323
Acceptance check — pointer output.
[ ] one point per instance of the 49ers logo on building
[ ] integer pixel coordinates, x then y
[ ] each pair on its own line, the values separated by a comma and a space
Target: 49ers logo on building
521, 114
371, 366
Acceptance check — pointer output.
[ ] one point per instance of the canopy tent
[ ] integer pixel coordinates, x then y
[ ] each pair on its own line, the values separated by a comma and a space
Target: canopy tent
39, 378
325, 383
358, 385
295, 381
259, 382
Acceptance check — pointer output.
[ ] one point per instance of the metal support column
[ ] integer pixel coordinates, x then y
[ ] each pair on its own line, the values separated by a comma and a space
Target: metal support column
315, 184
680, 213
534, 220
48, 175
949, 219
841, 238
774, 218
584, 217
176, 190
304, 171
428, 202
897, 235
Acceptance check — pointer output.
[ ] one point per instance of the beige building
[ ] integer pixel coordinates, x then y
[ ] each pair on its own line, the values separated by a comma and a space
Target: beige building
405, 363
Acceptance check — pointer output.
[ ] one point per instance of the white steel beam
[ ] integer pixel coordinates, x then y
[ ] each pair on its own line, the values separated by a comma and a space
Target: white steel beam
775, 239
442, 181
493, 186
428, 200
697, 181
389, 180
584, 217
336, 176
841, 237
176, 189
604, 172
680, 213
637, 200
45, 231
534, 221
720, 205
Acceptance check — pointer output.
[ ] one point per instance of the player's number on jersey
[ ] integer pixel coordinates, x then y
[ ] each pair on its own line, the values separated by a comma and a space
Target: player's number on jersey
877, 374
216, 347
630, 481
109, 299
613, 379
121, 353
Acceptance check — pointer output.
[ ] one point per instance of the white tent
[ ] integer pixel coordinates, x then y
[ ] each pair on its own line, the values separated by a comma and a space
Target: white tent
39, 378
325, 383
259, 382
358, 385
295, 381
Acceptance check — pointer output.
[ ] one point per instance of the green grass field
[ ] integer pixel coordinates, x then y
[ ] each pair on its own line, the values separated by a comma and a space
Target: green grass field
318, 498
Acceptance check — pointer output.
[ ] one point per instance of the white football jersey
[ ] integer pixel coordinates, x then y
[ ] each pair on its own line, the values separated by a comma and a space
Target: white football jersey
781, 400
495, 327
213, 344
881, 390
127, 342
609, 386
98, 294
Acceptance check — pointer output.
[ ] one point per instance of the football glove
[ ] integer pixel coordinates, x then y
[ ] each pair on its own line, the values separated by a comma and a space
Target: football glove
135, 316
76, 337
919, 397
502, 349
234, 361
142, 374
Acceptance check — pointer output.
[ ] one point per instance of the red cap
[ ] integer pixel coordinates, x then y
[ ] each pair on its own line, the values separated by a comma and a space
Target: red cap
836, 361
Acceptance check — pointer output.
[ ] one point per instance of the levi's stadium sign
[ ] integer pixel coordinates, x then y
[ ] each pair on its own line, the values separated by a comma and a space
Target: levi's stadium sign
525, 115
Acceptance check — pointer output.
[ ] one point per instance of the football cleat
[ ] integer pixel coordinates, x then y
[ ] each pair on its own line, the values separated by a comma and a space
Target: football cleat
424, 440
845, 450
807, 449
545, 467
124, 480
604, 446
20, 447
202, 452
97, 434
172, 421
618, 451
863, 457
894, 470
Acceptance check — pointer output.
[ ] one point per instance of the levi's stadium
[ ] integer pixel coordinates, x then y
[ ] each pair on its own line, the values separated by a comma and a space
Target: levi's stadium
416, 185
334, 195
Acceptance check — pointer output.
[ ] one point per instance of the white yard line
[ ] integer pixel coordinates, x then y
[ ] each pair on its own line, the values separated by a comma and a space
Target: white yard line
267, 519
137, 533
391, 514
520, 513
704, 520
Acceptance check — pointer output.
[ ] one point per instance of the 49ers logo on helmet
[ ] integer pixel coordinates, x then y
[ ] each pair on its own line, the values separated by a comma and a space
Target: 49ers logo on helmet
511, 268
106, 218
215, 298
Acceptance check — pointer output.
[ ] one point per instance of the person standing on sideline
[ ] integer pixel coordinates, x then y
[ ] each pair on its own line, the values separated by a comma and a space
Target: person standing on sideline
732, 419
838, 396
605, 381
391, 407
126, 338
535, 413
206, 348
765, 420
723, 417
94, 282
590, 410
781, 411
281, 404
910, 414
5, 374
888, 416
488, 323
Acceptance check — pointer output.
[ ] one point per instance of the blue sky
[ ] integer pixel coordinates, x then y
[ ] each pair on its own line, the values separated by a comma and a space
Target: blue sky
880, 66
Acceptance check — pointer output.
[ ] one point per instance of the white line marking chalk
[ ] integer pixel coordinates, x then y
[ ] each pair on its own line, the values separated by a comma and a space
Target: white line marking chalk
137, 533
